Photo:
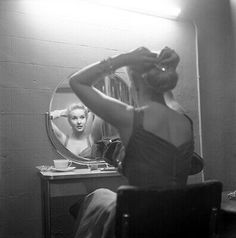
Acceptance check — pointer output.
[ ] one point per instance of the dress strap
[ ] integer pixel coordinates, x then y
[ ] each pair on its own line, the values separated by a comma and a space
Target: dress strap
190, 120
138, 118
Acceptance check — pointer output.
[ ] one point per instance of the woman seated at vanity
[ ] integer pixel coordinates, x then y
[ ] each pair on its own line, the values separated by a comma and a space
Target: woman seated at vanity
79, 141
158, 139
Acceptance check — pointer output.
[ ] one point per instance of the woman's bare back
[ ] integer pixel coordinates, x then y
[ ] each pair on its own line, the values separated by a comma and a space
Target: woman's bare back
163, 122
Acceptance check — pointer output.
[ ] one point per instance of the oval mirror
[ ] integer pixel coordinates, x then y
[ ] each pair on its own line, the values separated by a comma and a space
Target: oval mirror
74, 130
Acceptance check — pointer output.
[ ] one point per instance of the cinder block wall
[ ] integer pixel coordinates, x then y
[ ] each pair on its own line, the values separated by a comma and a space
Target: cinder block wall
36, 53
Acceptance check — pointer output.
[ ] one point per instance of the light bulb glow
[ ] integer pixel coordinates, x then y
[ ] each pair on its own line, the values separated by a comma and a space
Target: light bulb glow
151, 7
67, 8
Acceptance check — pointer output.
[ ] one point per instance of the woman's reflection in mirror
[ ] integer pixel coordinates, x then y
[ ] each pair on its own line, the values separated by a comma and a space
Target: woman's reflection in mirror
79, 142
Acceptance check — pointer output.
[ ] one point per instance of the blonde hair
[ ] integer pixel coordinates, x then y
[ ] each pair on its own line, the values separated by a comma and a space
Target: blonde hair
75, 106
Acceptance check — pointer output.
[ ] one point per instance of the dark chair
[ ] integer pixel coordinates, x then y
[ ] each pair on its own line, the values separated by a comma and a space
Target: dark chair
190, 211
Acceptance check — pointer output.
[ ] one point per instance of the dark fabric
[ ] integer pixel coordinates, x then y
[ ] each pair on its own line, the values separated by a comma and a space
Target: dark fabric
152, 161
114, 152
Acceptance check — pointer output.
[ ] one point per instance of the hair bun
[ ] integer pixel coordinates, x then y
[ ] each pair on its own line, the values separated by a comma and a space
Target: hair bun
169, 58
163, 81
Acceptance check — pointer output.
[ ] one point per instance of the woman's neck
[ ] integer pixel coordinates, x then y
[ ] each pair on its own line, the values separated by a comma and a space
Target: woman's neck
145, 99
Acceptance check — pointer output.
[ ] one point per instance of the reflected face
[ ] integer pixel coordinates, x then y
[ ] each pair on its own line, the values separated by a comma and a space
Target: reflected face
77, 119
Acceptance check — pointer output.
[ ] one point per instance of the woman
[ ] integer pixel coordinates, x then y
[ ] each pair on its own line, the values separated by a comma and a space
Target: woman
158, 139
78, 142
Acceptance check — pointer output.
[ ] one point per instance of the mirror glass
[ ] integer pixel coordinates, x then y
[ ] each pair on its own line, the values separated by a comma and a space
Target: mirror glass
74, 130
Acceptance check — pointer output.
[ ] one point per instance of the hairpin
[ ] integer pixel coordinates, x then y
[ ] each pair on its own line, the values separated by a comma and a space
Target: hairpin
163, 69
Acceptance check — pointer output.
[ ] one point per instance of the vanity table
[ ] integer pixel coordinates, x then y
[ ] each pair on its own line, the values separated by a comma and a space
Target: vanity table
76, 183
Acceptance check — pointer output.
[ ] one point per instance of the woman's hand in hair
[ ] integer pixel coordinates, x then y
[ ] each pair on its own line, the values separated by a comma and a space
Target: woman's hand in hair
58, 113
168, 58
140, 57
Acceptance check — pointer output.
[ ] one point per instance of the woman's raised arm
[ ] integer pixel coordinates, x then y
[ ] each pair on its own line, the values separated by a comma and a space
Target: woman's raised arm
111, 110
55, 115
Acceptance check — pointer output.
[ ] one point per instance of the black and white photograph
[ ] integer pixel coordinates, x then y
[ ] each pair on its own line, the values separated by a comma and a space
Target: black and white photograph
117, 119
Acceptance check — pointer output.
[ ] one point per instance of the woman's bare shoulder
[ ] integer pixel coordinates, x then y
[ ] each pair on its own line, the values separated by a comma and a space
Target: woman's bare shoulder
180, 126
168, 114
167, 123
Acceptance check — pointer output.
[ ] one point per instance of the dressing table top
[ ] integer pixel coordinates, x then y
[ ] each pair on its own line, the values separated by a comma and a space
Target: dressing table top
78, 173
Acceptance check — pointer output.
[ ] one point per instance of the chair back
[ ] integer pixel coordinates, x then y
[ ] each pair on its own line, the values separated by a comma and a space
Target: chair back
189, 211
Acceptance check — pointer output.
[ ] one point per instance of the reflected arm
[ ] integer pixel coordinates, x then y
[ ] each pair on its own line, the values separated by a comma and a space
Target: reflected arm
59, 134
